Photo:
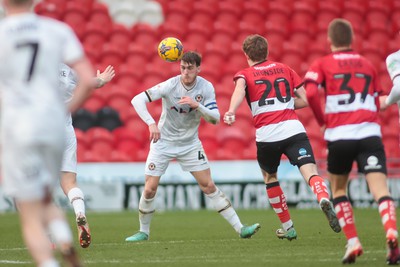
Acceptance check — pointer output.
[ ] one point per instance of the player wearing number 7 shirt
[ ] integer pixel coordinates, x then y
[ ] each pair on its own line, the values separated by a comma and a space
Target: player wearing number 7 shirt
273, 90
352, 132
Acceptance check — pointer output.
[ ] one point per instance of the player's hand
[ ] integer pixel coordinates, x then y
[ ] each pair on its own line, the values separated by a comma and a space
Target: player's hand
105, 76
229, 118
187, 100
382, 103
154, 133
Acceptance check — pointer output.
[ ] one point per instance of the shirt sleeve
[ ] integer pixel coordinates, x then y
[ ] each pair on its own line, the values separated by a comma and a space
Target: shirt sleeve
73, 48
209, 110
393, 64
313, 78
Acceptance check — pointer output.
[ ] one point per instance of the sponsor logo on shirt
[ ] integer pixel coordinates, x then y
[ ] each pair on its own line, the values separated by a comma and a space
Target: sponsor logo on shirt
312, 75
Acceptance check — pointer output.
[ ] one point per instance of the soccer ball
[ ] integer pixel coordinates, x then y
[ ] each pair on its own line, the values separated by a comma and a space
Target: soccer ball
170, 49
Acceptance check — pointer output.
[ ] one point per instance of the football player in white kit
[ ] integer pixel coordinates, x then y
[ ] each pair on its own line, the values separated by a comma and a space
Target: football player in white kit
186, 98
393, 67
75, 195
33, 122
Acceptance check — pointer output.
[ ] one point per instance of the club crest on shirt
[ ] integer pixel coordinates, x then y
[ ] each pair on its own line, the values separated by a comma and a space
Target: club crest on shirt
198, 98
152, 166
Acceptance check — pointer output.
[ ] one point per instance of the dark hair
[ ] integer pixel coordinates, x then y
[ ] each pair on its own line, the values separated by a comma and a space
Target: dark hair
256, 47
340, 32
192, 57
20, 2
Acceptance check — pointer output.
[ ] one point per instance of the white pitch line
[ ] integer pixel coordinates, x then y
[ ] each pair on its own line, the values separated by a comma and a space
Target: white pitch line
15, 262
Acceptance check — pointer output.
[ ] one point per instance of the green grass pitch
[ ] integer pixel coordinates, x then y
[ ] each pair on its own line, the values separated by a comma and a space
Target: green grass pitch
204, 238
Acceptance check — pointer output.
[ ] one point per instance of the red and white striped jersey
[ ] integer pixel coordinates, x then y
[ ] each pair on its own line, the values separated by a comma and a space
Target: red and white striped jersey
351, 95
270, 95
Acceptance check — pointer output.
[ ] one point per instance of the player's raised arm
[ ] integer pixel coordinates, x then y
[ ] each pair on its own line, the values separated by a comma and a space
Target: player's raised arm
84, 88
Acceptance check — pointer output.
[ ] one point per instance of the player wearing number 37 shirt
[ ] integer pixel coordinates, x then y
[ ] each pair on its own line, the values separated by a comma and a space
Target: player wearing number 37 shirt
273, 91
352, 132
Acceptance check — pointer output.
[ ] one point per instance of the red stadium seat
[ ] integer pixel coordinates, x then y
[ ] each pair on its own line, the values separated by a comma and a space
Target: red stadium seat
146, 35
112, 55
120, 36
204, 13
223, 34
101, 142
95, 102
169, 29
95, 36
197, 37
99, 14
253, 13
377, 11
119, 103
75, 14
81, 139
128, 79
301, 34
49, 9
232, 142
279, 12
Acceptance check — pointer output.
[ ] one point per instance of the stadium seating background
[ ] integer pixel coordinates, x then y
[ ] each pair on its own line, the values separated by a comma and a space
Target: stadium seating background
125, 34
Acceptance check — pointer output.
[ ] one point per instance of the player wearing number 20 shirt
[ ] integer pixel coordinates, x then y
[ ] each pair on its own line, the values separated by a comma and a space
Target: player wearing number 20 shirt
270, 94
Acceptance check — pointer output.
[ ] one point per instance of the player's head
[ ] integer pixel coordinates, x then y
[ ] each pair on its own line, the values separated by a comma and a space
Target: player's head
255, 47
13, 6
340, 33
190, 67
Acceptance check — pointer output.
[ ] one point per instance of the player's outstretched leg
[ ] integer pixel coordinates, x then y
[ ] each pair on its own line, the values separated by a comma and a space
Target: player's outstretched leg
249, 231
290, 234
393, 254
353, 250
139, 236
327, 208
83, 231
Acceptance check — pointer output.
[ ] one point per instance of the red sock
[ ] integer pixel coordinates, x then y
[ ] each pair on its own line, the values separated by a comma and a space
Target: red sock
318, 186
277, 200
344, 213
387, 210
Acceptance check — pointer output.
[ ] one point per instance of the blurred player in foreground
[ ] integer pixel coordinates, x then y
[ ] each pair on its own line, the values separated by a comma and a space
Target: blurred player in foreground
75, 195
186, 98
393, 67
352, 132
33, 122
273, 90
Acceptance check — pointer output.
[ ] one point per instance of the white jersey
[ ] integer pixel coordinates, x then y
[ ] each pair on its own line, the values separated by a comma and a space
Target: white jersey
393, 64
33, 110
179, 123
68, 82
31, 50
393, 67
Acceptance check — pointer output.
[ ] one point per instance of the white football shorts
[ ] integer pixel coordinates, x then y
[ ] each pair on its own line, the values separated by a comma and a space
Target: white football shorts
31, 167
69, 162
191, 157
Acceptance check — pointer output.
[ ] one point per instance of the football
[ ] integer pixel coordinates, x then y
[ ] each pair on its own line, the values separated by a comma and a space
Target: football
170, 49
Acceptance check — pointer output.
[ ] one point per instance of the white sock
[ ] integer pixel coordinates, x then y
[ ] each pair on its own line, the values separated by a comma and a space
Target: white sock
50, 263
76, 197
222, 204
60, 232
287, 225
146, 212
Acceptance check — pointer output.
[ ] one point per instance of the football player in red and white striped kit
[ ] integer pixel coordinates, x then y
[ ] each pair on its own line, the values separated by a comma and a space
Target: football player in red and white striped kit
352, 132
273, 90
